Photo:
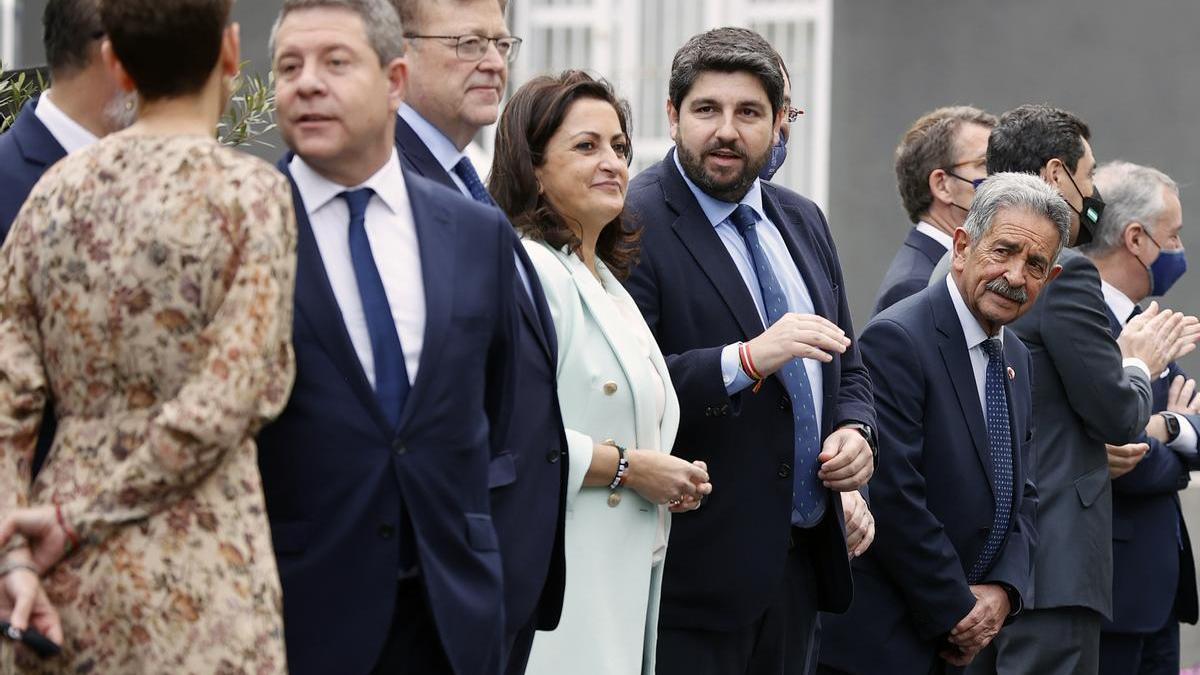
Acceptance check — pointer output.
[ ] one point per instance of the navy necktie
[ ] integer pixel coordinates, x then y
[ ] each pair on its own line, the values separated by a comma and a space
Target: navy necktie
808, 493
999, 431
466, 173
391, 375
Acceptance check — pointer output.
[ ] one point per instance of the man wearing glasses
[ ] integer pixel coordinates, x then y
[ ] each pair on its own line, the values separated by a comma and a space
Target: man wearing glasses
940, 160
458, 55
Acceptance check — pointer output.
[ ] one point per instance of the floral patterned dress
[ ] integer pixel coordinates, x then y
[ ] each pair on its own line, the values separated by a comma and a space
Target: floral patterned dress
146, 299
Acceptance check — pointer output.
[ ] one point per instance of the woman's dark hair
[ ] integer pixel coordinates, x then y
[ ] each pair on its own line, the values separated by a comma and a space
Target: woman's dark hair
168, 47
530, 119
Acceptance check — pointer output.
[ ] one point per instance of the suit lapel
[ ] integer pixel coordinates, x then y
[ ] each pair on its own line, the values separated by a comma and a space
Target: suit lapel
436, 234
927, 245
538, 319
34, 140
701, 240
952, 344
417, 157
315, 301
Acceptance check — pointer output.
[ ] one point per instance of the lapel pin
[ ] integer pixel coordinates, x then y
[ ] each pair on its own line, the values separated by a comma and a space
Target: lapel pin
1012, 374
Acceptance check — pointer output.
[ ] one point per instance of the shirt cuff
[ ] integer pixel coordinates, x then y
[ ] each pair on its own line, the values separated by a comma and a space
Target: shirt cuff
1185, 442
732, 376
1139, 364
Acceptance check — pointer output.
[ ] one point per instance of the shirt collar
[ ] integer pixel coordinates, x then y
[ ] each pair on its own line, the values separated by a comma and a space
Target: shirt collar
318, 191
70, 134
440, 146
972, 331
1118, 303
718, 211
935, 234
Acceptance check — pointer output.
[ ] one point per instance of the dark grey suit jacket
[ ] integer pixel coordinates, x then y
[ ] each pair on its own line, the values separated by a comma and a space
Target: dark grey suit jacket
1082, 399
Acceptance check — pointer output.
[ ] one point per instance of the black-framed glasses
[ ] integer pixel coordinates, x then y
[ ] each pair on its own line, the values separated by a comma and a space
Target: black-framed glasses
474, 47
793, 114
975, 182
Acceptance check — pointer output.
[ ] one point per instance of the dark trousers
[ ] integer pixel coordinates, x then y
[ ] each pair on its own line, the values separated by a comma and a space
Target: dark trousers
1141, 653
413, 646
519, 648
780, 642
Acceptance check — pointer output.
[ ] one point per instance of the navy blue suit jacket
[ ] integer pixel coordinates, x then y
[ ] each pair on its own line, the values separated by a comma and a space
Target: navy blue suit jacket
1154, 575
695, 302
529, 477
27, 149
909, 271
934, 492
352, 501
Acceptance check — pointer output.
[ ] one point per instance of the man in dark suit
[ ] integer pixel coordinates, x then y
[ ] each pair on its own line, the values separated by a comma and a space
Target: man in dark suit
376, 473
952, 496
938, 162
740, 284
1138, 250
83, 104
455, 91
1089, 389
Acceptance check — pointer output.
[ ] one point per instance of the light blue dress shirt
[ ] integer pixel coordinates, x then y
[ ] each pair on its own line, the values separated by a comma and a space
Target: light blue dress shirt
798, 298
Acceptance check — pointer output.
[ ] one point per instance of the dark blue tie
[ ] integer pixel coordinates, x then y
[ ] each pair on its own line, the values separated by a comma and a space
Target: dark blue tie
1000, 445
808, 493
391, 375
466, 173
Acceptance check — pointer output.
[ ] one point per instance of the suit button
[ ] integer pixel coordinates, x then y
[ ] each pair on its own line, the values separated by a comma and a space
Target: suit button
785, 470
386, 531
724, 410
399, 447
784, 404
708, 411
553, 456
610, 388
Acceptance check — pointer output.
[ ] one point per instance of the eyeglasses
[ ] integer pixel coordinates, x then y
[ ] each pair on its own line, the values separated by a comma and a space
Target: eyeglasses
474, 47
975, 183
793, 114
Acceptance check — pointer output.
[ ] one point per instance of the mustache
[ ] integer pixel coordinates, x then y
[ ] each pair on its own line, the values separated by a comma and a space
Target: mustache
1000, 286
730, 146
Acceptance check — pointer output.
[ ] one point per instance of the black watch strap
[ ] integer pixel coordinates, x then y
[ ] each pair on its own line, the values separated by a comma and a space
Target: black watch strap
1172, 424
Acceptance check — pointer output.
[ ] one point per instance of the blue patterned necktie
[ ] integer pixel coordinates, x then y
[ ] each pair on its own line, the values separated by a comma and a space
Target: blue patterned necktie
808, 493
466, 173
999, 431
391, 375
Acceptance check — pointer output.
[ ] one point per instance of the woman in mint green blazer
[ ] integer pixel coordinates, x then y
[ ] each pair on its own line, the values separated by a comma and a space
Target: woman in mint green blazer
560, 174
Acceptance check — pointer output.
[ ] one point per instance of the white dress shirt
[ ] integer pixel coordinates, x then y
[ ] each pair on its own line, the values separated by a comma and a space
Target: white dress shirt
1122, 306
975, 337
70, 134
935, 234
392, 233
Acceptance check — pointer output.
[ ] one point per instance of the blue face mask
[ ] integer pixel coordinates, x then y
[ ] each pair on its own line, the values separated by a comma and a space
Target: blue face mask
1166, 270
776, 160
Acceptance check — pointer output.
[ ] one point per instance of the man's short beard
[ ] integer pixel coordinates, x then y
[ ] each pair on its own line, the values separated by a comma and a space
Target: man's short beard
731, 191
121, 111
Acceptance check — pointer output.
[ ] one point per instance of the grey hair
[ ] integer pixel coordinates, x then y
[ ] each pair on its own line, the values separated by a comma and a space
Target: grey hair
1132, 194
1020, 191
384, 31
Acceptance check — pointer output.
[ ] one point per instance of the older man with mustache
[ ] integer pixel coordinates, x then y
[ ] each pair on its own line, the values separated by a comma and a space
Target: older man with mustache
951, 559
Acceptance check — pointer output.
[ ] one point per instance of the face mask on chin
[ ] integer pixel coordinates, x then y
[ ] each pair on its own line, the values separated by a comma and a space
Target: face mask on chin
776, 160
1089, 215
1167, 268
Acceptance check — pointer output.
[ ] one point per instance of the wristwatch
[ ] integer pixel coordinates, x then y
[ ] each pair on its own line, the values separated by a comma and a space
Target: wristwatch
1172, 424
869, 434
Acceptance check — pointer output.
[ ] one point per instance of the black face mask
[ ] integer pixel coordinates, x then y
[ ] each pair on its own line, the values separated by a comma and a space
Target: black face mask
1089, 216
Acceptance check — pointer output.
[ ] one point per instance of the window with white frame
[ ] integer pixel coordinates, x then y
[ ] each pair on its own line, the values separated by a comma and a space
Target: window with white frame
631, 43
8, 32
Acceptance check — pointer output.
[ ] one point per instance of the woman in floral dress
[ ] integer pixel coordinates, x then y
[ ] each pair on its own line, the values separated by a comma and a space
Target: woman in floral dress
145, 301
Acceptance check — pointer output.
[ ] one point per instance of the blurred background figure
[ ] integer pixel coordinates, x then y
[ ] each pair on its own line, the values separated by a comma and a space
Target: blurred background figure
146, 288
1138, 250
561, 174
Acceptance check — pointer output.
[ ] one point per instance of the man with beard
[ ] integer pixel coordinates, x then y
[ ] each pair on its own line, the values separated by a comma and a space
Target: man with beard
83, 104
953, 393
740, 284
1089, 389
